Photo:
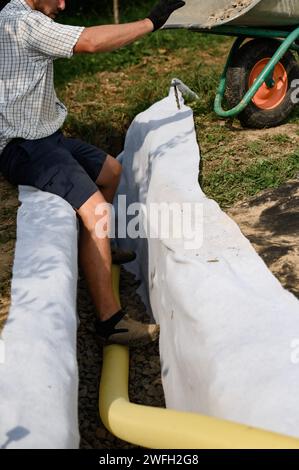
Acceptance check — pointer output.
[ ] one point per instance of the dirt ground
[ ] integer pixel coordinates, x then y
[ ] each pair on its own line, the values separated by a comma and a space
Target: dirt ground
231, 11
8, 212
271, 222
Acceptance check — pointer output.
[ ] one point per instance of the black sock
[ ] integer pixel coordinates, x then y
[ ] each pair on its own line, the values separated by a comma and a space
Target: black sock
106, 328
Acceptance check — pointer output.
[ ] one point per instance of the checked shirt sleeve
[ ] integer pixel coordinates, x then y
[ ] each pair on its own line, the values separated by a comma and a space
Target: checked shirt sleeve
42, 34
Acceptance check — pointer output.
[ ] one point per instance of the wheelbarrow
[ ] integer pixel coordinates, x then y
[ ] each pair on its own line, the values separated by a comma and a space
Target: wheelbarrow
260, 80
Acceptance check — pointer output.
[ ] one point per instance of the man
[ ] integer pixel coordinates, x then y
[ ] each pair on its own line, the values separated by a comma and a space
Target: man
34, 151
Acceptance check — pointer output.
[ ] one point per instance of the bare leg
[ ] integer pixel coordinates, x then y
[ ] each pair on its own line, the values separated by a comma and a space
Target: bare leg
94, 252
108, 179
95, 258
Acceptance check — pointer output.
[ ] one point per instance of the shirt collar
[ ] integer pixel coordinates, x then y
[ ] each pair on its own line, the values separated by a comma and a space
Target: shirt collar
24, 4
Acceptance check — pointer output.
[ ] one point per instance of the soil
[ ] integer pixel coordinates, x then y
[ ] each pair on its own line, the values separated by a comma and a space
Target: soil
225, 14
8, 217
271, 222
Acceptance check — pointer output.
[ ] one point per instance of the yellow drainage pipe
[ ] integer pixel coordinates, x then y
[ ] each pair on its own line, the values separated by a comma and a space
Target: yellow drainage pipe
159, 428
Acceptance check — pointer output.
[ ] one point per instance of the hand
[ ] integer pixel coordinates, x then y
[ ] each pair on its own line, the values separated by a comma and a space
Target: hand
162, 11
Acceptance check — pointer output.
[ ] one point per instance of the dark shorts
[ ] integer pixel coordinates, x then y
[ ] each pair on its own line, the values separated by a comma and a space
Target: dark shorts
56, 164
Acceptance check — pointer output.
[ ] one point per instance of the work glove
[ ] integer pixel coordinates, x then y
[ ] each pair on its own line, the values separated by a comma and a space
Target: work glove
162, 11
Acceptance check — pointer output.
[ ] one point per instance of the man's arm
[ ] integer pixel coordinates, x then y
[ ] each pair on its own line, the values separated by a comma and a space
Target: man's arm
109, 37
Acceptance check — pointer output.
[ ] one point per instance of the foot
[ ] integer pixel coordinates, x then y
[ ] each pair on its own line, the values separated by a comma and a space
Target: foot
122, 256
121, 329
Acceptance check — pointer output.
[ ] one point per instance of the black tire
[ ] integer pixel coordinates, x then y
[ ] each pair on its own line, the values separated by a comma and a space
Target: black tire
238, 78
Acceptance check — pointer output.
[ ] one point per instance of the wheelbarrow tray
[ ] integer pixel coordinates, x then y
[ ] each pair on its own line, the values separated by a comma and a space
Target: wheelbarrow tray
205, 14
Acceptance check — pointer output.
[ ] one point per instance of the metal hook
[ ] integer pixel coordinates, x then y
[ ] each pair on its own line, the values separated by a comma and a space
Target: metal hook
184, 89
177, 96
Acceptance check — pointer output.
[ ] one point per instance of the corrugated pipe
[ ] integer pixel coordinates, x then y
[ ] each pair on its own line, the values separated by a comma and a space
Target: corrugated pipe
158, 428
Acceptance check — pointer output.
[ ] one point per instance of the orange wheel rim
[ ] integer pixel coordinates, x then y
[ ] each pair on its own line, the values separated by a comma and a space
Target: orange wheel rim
269, 98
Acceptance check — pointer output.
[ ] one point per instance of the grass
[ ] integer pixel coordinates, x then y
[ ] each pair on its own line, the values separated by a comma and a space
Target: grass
227, 184
171, 42
104, 92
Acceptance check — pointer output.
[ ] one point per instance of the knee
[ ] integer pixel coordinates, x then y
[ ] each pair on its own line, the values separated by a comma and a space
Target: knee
116, 169
110, 173
92, 210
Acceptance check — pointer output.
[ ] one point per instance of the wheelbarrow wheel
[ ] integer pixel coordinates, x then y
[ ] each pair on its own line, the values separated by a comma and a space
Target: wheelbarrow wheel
271, 105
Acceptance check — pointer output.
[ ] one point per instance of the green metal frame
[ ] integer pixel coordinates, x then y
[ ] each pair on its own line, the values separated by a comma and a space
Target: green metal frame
264, 76
287, 37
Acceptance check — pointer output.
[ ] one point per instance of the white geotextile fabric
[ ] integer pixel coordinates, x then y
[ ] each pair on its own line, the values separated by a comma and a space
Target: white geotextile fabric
227, 324
39, 378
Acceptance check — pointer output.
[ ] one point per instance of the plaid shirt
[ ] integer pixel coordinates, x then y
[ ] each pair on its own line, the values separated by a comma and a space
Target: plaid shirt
29, 42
